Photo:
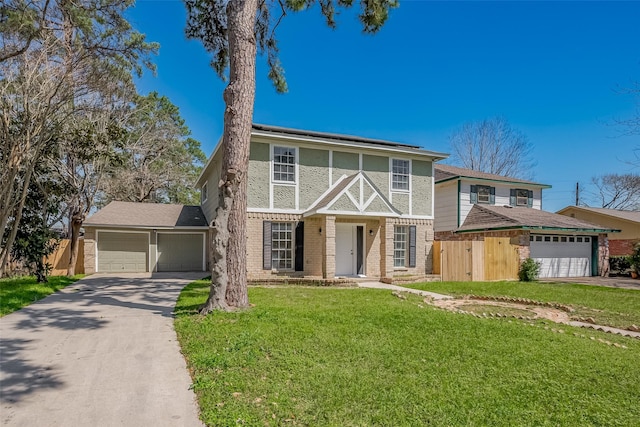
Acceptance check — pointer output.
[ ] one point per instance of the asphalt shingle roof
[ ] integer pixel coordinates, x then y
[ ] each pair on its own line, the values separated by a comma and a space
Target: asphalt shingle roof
444, 172
627, 215
482, 217
129, 214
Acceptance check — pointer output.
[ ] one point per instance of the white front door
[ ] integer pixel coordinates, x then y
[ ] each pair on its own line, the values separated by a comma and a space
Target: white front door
345, 249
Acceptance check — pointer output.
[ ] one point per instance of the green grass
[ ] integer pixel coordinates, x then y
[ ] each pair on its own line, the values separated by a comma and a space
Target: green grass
607, 306
362, 357
19, 292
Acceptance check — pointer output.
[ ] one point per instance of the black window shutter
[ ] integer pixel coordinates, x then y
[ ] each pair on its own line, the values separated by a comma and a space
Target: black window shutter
513, 201
300, 246
266, 245
530, 198
412, 246
492, 195
473, 195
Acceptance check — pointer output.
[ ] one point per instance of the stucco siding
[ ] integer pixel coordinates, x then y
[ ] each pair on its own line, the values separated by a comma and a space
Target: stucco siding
313, 174
401, 202
211, 203
258, 184
344, 164
446, 206
343, 204
284, 197
421, 187
377, 169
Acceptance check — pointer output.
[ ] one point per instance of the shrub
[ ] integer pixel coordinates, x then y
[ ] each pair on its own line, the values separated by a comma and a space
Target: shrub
620, 264
529, 270
634, 258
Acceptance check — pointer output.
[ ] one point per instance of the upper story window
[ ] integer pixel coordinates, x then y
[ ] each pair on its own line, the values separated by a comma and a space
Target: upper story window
284, 164
400, 175
482, 194
521, 197
204, 193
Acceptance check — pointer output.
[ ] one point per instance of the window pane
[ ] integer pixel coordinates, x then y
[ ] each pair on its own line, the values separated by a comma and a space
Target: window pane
281, 245
399, 245
399, 174
484, 193
284, 159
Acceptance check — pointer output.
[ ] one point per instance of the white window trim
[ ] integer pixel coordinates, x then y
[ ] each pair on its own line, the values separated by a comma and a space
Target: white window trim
488, 202
293, 246
206, 193
406, 248
295, 165
410, 174
526, 199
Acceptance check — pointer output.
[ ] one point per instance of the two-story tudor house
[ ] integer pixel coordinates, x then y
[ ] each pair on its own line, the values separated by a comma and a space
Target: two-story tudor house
320, 205
326, 205
473, 205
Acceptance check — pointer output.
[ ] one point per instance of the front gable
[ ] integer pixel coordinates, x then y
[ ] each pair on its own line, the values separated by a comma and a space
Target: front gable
353, 195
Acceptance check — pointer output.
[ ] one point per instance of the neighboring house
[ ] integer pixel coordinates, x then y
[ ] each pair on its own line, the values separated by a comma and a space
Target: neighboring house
628, 222
320, 205
459, 189
325, 205
145, 237
473, 205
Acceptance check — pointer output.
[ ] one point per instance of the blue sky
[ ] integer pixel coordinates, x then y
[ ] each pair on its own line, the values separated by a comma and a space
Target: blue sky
551, 68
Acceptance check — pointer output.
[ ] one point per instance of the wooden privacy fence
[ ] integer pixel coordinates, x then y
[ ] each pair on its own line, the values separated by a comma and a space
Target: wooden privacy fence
495, 258
59, 260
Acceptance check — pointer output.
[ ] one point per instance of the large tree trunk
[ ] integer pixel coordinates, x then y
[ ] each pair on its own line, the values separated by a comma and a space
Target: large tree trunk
229, 271
75, 223
16, 223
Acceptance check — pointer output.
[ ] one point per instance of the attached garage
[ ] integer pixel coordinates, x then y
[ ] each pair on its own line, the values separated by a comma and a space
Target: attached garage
122, 252
181, 252
563, 256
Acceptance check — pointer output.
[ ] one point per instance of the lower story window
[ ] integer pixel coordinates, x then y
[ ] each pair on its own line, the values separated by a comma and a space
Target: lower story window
282, 245
399, 245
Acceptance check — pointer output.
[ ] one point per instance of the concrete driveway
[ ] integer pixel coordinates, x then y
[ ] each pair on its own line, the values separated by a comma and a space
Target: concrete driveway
102, 352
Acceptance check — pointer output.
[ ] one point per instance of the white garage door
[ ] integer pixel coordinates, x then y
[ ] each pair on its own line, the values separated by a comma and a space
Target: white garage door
562, 256
122, 252
180, 252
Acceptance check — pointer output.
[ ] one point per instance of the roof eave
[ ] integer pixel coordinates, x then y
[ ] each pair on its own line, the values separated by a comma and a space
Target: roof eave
542, 228
476, 179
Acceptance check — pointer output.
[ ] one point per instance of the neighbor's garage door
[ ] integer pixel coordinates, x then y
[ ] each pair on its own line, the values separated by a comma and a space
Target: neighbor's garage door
562, 256
122, 252
180, 252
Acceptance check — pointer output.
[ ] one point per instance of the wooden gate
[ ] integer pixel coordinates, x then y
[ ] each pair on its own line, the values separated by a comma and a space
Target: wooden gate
59, 260
501, 259
495, 258
459, 261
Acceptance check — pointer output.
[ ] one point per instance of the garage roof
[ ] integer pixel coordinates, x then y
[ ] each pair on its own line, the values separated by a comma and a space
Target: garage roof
489, 217
152, 215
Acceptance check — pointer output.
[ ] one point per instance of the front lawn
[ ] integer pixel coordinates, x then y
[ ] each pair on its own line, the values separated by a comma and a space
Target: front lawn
362, 357
607, 306
18, 292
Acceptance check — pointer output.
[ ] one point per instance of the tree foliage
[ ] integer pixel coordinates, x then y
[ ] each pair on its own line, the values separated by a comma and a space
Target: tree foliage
158, 161
67, 101
492, 146
234, 32
617, 191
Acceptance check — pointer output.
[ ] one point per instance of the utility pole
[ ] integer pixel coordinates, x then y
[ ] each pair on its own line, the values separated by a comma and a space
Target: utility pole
577, 193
